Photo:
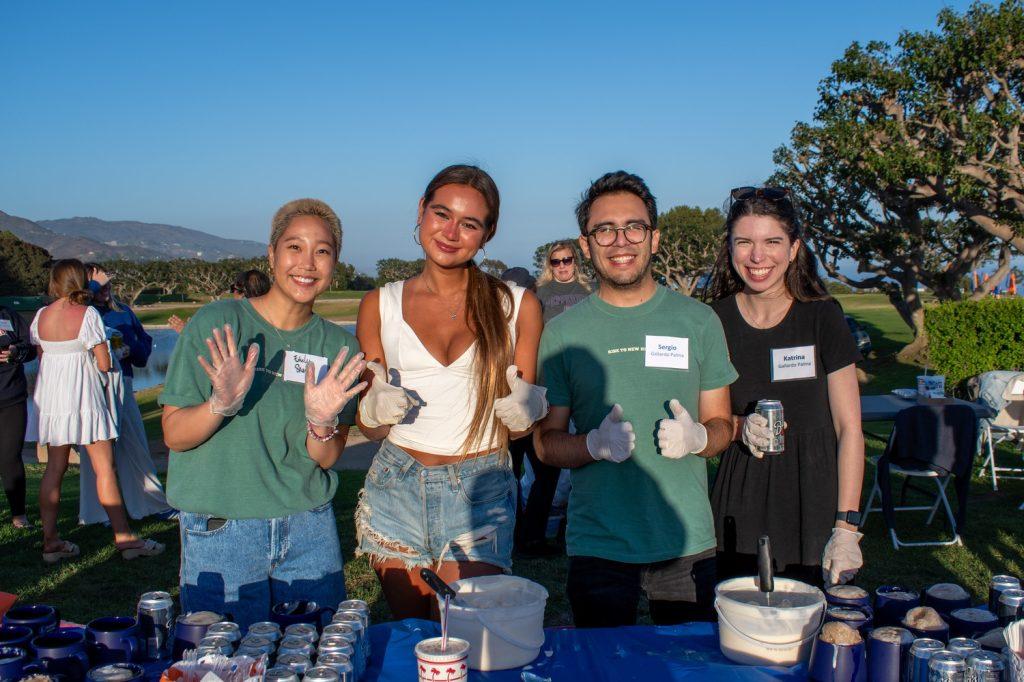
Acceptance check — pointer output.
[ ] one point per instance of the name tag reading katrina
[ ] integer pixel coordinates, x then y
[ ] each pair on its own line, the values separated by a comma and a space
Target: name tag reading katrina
793, 363
295, 366
671, 352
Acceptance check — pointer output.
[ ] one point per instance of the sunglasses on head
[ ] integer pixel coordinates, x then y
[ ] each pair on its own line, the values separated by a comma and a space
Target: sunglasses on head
568, 260
769, 193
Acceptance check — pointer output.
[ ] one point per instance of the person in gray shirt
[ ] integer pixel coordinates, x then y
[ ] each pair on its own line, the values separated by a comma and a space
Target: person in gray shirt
561, 285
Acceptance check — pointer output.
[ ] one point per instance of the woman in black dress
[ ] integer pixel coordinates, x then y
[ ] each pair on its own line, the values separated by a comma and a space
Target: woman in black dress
789, 341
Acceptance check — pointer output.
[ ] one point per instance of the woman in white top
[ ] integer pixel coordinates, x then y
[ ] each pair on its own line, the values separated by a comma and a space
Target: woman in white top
454, 355
70, 397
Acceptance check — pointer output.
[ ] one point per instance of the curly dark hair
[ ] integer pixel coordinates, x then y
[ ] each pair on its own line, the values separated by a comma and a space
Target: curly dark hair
613, 183
802, 279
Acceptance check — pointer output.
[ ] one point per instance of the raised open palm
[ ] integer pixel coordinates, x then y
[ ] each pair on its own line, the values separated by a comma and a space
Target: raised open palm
229, 377
324, 400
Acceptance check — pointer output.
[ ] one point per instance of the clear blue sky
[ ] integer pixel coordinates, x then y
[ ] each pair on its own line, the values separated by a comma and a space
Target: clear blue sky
212, 114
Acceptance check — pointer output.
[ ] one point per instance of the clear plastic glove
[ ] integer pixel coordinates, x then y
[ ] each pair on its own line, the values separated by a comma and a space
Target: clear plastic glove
756, 434
384, 404
681, 435
524, 405
229, 378
842, 558
326, 399
613, 440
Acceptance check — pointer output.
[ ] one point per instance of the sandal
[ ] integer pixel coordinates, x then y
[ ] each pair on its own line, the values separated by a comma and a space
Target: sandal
147, 548
68, 549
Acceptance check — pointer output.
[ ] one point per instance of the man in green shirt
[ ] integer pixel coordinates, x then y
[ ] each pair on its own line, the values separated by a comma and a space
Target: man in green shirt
629, 366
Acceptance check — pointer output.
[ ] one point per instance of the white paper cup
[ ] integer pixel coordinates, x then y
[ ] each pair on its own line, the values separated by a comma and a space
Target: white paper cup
450, 666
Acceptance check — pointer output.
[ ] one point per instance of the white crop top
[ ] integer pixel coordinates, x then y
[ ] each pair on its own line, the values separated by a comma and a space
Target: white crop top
447, 394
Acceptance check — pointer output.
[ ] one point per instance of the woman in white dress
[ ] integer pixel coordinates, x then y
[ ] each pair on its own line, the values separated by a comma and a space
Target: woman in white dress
71, 401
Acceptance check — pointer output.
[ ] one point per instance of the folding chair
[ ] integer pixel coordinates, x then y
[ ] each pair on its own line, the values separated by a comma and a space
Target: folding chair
1003, 392
920, 447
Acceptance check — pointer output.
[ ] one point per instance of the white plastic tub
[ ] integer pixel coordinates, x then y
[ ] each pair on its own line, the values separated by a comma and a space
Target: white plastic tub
502, 618
781, 634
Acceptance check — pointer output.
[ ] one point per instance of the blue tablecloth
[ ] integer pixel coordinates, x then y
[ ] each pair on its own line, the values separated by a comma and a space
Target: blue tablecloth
642, 652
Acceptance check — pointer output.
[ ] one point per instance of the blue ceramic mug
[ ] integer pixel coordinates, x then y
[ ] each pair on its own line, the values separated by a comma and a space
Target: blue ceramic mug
62, 653
12, 662
189, 630
42, 618
19, 636
837, 662
301, 611
892, 603
113, 639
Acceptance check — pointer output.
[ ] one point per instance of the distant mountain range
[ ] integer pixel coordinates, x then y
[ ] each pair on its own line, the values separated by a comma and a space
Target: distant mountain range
95, 239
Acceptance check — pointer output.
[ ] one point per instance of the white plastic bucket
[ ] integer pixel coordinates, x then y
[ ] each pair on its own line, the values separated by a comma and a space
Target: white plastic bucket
768, 635
502, 618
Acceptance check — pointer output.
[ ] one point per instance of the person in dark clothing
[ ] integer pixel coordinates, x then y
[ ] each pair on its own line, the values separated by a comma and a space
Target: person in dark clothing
15, 350
789, 341
561, 284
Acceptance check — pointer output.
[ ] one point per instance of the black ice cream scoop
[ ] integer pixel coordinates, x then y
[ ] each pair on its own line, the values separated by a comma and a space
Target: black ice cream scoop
765, 579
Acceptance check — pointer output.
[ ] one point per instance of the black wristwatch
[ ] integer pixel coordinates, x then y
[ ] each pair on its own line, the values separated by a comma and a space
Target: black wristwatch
851, 517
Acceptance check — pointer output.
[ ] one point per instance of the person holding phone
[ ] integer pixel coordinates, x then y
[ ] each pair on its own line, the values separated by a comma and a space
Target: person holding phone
259, 398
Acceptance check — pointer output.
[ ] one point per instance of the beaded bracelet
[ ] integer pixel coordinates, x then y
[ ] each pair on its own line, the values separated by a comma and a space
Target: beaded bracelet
318, 438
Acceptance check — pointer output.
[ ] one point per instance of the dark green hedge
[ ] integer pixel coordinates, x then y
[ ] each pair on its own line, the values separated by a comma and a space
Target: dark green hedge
966, 338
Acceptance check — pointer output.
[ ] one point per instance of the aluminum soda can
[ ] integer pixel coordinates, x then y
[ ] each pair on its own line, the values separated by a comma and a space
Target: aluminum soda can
341, 664
280, 674
295, 645
348, 633
771, 410
985, 666
116, 672
218, 644
155, 613
946, 666
302, 630
257, 643
266, 628
226, 629
1009, 607
295, 662
965, 646
321, 673
996, 587
335, 645
921, 651
355, 621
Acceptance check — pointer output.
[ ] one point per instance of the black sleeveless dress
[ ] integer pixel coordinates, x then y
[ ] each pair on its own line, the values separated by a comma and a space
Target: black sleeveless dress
790, 497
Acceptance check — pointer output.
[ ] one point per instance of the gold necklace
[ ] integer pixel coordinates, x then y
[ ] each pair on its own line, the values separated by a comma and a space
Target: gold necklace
771, 322
453, 313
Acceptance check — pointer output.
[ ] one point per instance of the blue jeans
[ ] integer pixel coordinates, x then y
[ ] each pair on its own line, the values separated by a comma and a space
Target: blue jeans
426, 515
247, 565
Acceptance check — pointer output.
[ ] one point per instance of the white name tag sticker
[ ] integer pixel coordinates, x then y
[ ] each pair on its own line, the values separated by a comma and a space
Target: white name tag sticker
295, 366
670, 352
793, 363
5, 325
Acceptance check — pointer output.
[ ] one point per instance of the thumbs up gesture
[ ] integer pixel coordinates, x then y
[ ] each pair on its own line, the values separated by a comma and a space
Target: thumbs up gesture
680, 435
613, 440
524, 405
384, 404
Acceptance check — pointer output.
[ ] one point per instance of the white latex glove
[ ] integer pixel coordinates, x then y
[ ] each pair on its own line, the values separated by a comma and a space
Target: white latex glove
326, 399
681, 435
756, 434
384, 404
613, 440
524, 405
841, 558
229, 378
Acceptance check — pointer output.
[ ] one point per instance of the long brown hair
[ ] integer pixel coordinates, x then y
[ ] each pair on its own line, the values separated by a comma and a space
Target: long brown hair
489, 309
801, 278
68, 278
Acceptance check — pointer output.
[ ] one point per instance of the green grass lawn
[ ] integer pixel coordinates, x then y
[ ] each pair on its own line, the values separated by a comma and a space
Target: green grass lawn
335, 305
102, 583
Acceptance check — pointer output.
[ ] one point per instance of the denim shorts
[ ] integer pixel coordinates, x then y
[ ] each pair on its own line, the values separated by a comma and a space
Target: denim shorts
427, 515
246, 566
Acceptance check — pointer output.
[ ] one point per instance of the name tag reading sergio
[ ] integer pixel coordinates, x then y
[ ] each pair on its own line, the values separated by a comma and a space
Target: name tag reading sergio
671, 352
295, 366
793, 363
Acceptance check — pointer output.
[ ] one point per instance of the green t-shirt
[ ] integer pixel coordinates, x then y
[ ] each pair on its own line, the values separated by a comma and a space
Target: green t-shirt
256, 464
648, 508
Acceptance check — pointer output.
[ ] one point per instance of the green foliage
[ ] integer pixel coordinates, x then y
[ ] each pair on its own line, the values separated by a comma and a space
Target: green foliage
540, 255
362, 282
24, 267
835, 287
970, 337
690, 239
493, 266
397, 269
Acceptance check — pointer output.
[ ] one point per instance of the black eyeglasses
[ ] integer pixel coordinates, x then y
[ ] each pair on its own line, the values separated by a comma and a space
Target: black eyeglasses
568, 260
606, 235
769, 193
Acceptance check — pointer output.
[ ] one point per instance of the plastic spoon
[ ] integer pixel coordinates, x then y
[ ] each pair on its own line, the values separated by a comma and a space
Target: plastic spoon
765, 579
443, 589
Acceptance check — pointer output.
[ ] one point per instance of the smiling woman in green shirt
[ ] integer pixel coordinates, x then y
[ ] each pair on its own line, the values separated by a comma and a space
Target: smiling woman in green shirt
257, 405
